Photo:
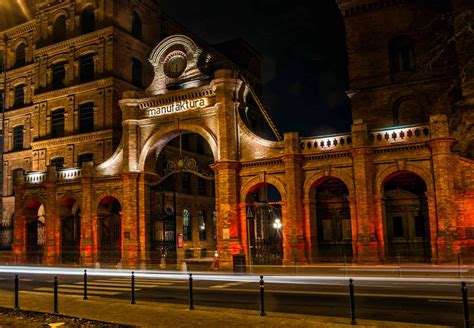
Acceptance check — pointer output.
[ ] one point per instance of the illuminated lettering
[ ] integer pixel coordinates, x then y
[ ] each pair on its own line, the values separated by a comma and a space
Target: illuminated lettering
178, 106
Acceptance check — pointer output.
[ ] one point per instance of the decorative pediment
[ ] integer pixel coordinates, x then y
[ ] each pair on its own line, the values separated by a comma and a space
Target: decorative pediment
178, 63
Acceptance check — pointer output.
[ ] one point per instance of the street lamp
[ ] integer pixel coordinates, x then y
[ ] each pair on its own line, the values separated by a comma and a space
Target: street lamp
277, 224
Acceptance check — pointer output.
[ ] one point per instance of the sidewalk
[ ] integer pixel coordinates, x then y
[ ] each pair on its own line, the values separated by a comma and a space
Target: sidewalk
154, 314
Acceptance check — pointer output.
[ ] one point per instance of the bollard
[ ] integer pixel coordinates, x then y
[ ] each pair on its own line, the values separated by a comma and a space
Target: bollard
133, 288
55, 284
85, 285
16, 292
465, 305
262, 297
352, 301
191, 302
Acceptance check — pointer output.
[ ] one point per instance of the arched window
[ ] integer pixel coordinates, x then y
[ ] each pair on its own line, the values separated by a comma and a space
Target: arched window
202, 225
187, 225
136, 26
407, 110
87, 21
18, 137
59, 29
86, 68
137, 72
20, 55
58, 75
86, 117
87, 157
57, 162
402, 55
19, 96
57, 123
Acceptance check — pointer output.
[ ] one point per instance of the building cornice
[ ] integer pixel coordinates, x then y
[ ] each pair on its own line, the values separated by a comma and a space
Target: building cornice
84, 87
74, 139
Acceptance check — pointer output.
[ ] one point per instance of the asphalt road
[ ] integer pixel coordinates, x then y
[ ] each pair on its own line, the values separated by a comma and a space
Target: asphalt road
429, 301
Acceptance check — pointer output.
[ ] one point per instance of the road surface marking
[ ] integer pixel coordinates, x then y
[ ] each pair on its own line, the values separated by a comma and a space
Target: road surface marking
230, 284
128, 282
76, 291
142, 280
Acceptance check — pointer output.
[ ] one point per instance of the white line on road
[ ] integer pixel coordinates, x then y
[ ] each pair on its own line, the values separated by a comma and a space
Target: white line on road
75, 291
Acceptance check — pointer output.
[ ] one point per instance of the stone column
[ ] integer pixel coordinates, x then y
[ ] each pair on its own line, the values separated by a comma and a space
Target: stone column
293, 222
88, 251
19, 224
52, 221
227, 167
131, 221
366, 243
309, 208
443, 166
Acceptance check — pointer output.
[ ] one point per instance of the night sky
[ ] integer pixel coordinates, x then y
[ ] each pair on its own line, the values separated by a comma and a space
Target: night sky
302, 43
303, 49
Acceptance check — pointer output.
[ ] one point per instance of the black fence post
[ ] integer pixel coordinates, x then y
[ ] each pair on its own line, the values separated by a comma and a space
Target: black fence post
85, 285
133, 288
352, 301
191, 301
17, 283
465, 305
55, 284
262, 297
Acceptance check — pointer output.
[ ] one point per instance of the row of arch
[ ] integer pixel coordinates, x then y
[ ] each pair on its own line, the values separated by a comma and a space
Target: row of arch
406, 223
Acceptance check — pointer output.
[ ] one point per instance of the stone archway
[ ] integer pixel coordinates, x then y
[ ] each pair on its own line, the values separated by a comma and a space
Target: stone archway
35, 216
406, 217
330, 220
265, 224
70, 218
109, 221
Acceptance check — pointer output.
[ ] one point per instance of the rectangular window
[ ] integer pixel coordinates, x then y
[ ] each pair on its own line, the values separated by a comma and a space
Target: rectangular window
86, 118
1, 99
203, 252
57, 123
86, 68
187, 226
214, 225
398, 227
59, 74
87, 157
202, 225
18, 137
137, 72
19, 96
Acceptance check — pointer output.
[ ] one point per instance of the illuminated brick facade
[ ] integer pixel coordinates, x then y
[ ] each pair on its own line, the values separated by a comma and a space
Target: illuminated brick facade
392, 187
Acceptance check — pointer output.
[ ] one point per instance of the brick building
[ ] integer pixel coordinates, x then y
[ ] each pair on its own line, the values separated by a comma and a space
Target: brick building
177, 172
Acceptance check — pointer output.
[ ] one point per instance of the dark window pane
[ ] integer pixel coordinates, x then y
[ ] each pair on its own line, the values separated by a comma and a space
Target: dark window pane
187, 225
87, 157
188, 254
202, 225
18, 137
420, 226
86, 117
59, 29
59, 74
1, 99
86, 68
19, 96
136, 26
203, 252
402, 56
57, 123
20, 56
87, 21
57, 162
398, 227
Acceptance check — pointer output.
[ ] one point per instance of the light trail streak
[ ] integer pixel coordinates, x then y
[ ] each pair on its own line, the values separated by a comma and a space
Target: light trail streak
278, 279
24, 9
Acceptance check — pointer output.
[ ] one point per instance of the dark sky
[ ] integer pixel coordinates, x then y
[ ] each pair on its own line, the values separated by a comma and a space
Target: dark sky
303, 49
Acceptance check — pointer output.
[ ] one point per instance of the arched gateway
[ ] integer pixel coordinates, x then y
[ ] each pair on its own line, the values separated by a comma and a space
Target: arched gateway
190, 179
